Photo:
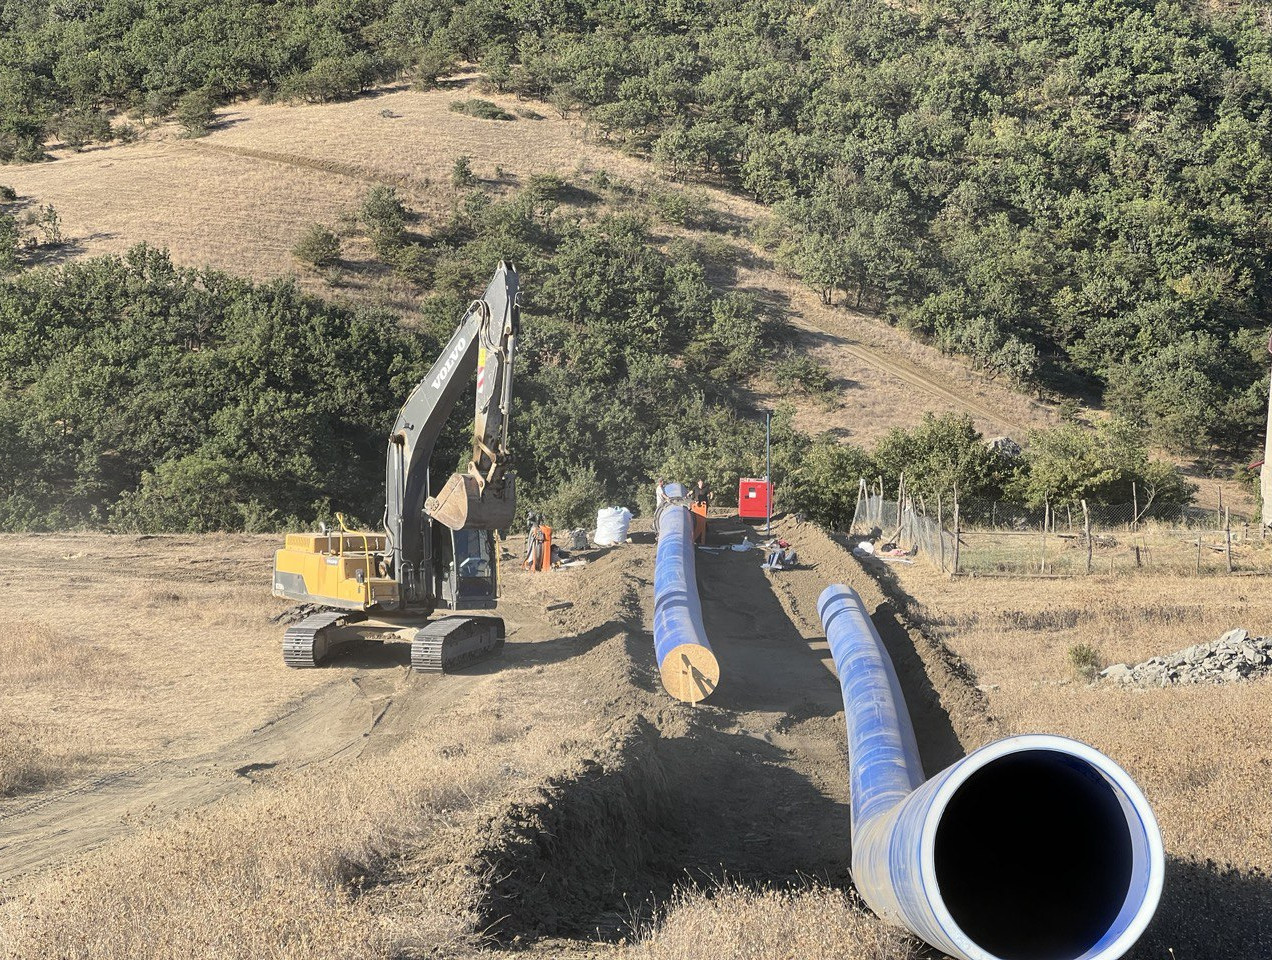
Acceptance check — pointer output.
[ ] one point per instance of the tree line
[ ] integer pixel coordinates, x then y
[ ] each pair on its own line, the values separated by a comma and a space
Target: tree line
139, 395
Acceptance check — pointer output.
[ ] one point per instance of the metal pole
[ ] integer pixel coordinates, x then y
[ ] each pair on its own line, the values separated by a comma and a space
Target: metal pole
768, 470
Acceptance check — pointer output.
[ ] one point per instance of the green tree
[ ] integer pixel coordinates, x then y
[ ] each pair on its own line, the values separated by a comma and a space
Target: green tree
939, 453
1068, 463
196, 112
384, 217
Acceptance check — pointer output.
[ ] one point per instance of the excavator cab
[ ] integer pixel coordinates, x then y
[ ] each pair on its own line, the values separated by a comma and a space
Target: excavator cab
469, 573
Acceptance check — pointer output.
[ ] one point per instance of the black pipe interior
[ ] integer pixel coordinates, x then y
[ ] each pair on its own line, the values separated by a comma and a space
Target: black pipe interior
1034, 856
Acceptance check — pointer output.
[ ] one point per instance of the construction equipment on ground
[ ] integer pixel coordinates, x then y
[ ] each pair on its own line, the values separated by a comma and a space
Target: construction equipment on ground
1033, 846
436, 551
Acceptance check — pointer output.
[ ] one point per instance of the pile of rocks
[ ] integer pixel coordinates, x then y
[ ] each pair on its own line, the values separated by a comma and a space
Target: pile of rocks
1234, 656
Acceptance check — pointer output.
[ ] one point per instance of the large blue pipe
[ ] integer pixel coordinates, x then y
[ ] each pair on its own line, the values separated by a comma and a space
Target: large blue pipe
685, 662
1032, 848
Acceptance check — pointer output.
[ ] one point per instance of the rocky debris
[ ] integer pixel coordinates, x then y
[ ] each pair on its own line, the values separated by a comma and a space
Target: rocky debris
1234, 656
1006, 446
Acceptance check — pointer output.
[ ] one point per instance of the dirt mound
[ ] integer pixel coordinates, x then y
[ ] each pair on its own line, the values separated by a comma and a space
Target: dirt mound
569, 862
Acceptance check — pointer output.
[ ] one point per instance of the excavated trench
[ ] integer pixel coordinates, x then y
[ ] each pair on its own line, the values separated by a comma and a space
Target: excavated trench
600, 851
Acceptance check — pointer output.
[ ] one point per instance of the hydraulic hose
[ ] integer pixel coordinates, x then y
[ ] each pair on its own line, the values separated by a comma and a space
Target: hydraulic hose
1035, 847
687, 666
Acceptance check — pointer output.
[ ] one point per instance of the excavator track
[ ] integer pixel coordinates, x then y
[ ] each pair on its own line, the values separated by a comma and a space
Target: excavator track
307, 643
451, 643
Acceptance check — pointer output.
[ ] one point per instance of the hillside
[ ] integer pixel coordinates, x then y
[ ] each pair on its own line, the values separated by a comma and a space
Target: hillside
240, 199
1069, 195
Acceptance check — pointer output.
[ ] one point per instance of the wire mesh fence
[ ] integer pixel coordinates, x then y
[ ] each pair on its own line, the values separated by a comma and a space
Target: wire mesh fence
993, 538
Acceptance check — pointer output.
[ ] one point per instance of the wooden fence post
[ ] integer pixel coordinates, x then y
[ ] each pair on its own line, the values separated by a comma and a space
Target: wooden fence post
1086, 528
1134, 506
1046, 517
940, 530
1227, 538
1199, 553
957, 529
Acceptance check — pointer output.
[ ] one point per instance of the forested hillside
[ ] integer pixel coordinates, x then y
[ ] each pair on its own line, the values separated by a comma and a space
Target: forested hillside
139, 395
1069, 193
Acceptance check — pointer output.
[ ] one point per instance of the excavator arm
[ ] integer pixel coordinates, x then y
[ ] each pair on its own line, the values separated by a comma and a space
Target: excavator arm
483, 497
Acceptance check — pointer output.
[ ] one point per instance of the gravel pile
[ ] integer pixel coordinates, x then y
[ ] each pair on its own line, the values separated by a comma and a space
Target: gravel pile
1234, 656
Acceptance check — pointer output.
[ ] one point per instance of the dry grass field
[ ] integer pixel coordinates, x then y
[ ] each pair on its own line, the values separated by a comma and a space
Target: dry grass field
555, 802
1202, 754
240, 198
117, 648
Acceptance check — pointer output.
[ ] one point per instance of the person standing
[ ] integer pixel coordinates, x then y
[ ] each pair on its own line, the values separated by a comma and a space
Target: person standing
702, 493
660, 495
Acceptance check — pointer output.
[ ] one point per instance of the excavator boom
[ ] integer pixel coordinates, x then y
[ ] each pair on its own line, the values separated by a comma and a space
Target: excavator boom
483, 498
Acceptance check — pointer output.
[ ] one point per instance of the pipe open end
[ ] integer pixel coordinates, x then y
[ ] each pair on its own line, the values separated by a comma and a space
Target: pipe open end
1044, 849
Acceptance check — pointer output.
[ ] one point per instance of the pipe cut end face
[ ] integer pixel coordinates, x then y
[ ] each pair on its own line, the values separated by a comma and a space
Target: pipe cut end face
1042, 848
689, 672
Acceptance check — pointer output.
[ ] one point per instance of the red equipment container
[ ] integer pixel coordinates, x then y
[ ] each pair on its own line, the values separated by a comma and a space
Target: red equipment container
754, 498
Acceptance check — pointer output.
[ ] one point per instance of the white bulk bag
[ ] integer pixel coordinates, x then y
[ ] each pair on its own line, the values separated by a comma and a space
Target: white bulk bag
611, 526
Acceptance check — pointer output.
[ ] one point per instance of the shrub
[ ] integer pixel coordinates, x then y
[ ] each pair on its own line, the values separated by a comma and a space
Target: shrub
10, 243
48, 223
797, 372
1085, 660
331, 78
319, 247
462, 173
384, 217
80, 127
432, 63
196, 112
7, 194
481, 109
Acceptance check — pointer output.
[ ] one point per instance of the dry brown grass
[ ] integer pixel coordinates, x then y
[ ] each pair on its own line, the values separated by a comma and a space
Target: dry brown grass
118, 648
369, 856
285, 872
1200, 753
39, 748
747, 924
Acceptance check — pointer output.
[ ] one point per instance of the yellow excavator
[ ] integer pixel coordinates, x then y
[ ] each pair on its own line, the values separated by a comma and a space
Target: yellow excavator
434, 551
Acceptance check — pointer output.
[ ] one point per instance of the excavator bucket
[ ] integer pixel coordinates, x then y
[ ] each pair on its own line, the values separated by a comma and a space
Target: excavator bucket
462, 505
